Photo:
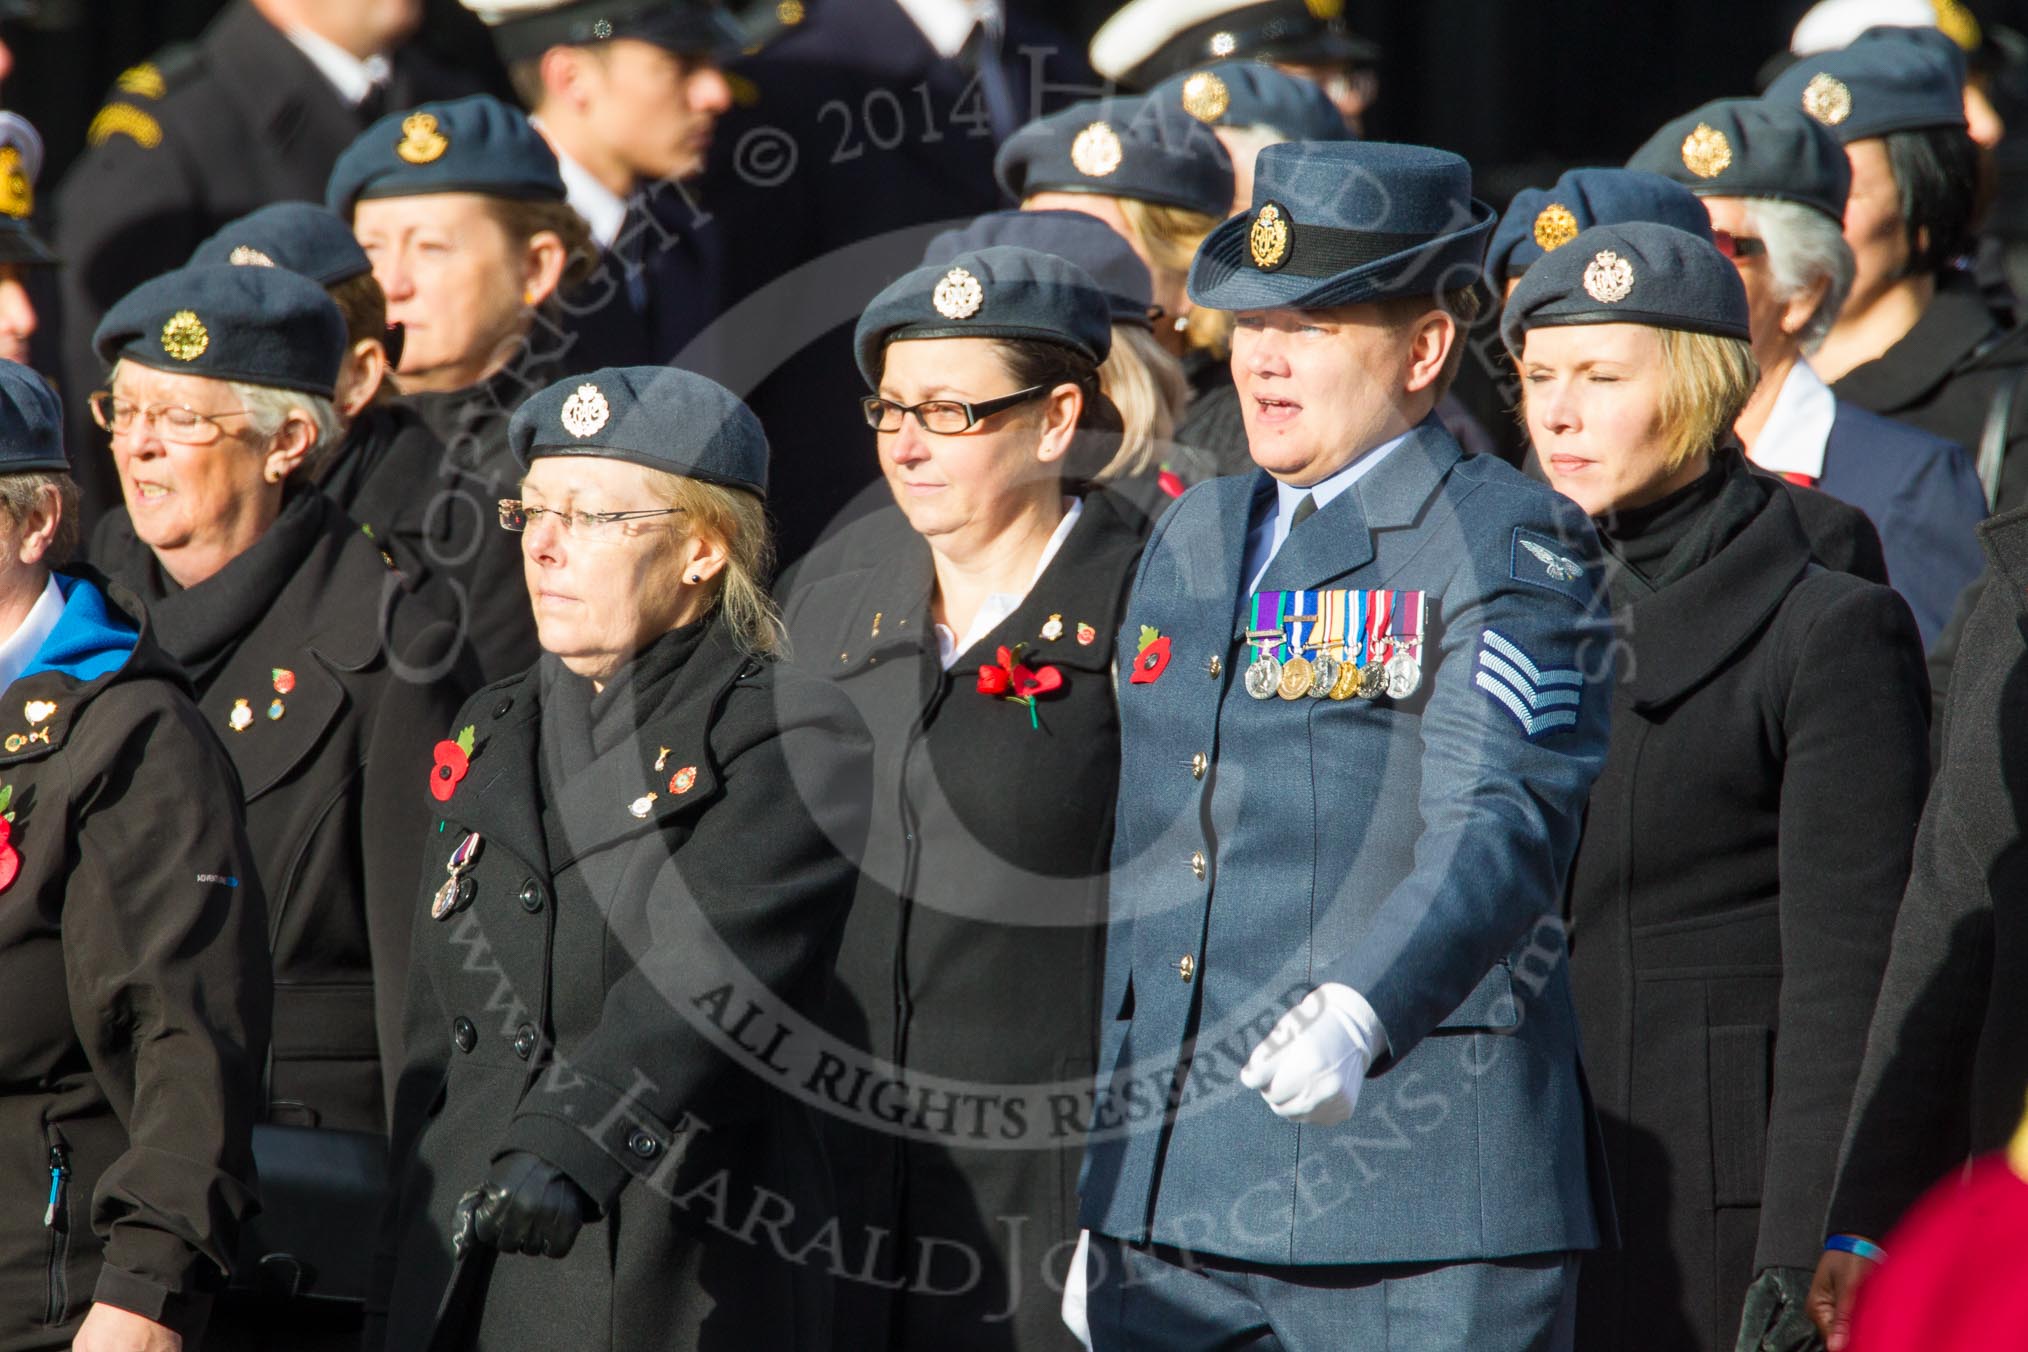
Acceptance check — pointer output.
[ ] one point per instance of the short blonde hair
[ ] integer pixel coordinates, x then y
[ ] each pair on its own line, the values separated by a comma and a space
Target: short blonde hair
1707, 380
1149, 388
738, 520
1169, 237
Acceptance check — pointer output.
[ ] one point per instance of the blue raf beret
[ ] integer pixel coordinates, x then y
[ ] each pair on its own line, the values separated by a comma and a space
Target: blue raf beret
264, 326
997, 292
476, 144
1888, 80
1752, 148
300, 236
1085, 240
1120, 148
1581, 199
1249, 94
31, 423
1343, 223
1636, 272
657, 416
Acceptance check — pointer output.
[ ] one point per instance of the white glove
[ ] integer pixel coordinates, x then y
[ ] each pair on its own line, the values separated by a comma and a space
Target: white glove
1073, 1293
1310, 1067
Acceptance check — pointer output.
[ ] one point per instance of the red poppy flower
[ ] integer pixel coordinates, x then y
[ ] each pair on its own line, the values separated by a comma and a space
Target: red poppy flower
449, 771
1152, 662
994, 681
1169, 483
1041, 681
10, 858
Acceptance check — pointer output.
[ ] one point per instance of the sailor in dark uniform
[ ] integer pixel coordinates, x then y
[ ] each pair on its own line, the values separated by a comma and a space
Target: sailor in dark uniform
1775, 182
626, 95
205, 132
461, 209
1148, 41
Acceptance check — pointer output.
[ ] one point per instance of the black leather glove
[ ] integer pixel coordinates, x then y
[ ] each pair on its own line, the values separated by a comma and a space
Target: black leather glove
528, 1205
1777, 1314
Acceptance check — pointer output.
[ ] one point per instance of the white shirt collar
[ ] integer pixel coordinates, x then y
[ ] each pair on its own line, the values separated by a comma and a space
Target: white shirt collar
1792, 440
1288, 497
948, 23
20, 647
352, 78
604, 210
999, 605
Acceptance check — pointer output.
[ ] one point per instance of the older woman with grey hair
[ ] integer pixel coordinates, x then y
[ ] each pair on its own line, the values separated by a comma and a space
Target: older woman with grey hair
1775, 184
309, 662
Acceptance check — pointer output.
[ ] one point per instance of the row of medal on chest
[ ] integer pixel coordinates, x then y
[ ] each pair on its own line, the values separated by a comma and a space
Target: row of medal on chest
1363, 643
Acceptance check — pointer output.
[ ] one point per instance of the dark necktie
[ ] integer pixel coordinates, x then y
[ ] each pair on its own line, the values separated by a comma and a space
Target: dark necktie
1305, 509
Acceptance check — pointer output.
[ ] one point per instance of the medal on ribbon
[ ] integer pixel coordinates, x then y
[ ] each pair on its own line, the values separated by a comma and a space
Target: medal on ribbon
1404, 665
457, 890
1264, 634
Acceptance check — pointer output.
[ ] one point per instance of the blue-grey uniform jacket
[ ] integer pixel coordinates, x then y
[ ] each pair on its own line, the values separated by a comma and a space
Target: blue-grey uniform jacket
1414, 849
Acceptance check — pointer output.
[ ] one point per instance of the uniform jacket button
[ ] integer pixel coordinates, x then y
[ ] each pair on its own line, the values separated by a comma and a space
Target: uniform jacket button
1199, 763
531, 896
643, 1144
1197, 865
1216, 665
464, 1033
524, 1041
1186, 967
500, 709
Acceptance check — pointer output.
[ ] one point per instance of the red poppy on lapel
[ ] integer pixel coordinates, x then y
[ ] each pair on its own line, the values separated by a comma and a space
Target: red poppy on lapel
453, 763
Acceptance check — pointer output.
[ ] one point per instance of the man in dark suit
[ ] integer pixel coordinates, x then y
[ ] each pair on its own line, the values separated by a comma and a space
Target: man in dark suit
1775, 183
1356, 751
254, 111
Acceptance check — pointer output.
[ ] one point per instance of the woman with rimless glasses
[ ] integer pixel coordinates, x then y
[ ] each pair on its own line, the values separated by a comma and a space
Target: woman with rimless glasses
296, 639
973, 623
648, 834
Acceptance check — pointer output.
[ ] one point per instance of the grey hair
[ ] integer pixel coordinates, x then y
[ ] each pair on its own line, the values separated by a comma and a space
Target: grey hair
268, 407
1804, 246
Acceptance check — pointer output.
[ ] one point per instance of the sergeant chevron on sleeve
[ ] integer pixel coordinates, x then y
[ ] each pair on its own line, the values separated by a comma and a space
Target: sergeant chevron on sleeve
1350, 793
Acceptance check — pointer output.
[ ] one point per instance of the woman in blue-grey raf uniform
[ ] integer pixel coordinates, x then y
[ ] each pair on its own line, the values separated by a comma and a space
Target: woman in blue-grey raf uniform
1776, 185
1747, 842
461, 208
1339, 1101
647, 833
973, 624
285, 619
132, 948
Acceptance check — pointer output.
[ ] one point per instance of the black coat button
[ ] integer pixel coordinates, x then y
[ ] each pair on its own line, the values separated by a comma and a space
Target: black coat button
531, 896
643, 1144
500, 709
464, 1033
524, 1041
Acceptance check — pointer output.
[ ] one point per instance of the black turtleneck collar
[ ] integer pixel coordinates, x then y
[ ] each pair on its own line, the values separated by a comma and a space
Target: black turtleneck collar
1663, 541
580, 724
200, 626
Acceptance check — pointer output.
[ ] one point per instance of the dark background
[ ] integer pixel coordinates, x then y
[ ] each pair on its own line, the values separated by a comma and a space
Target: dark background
1511, 86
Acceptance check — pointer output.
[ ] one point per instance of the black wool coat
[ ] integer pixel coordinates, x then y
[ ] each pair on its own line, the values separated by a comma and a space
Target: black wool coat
976, 944
585, 1005
134, 979
200, 135
1947, 1057
451, 521
332, 771
1743, 855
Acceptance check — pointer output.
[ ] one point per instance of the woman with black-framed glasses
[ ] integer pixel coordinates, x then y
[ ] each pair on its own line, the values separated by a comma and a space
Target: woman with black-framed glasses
327, 684
972, 620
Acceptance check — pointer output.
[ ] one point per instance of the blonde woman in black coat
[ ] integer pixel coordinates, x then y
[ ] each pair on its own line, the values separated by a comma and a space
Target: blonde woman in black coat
642, 838
1747, 843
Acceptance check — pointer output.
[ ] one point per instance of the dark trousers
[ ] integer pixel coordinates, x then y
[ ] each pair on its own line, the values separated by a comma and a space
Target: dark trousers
1161, 1300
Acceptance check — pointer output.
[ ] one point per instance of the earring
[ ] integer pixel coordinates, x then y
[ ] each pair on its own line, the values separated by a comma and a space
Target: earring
528, 296
1182, 323
697, 577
